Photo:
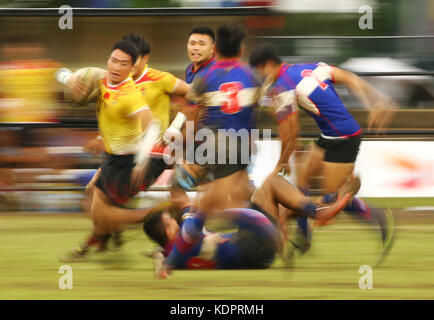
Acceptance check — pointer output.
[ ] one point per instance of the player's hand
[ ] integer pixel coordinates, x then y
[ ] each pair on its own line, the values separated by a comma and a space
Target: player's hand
161, 270
380, 116
80, 88
94, 146
172, 134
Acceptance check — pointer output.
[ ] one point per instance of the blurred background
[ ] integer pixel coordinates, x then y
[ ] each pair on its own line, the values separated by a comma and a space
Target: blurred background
43, 168
42, 135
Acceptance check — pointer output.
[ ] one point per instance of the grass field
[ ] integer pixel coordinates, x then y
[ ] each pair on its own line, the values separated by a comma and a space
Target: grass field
32, 243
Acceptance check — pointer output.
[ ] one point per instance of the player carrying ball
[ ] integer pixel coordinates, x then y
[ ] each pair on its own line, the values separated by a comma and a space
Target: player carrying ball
124, 121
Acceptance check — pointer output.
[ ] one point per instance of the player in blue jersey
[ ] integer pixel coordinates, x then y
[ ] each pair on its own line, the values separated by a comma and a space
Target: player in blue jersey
253, 246
201, 51
310, 86
226, 95
256, 242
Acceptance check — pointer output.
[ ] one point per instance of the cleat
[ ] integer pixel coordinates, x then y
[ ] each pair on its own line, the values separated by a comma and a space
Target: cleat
75, 255
388, 231
81, 253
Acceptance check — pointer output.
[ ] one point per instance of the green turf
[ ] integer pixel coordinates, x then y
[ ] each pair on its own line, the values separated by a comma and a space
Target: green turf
31, 245
402, 202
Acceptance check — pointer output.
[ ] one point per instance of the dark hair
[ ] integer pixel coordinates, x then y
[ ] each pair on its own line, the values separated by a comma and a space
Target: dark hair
265, 52
129, 48
229, 39
203, 30
155, 229
143, 46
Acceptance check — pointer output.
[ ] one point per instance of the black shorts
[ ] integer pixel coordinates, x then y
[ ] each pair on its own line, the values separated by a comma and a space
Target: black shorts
343, 150
265, 213
115, 177
235, 158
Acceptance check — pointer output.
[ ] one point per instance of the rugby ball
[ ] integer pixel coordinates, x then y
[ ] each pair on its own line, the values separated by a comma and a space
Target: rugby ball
82, 85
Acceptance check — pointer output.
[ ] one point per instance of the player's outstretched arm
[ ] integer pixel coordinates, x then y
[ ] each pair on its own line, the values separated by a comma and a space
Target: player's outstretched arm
380, 106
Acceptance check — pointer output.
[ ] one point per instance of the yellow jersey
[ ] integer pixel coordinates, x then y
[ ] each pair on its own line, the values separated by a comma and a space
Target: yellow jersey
116, 108
157, 86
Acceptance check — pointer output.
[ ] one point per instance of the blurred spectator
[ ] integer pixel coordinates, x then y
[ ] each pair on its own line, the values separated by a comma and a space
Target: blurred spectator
27, 85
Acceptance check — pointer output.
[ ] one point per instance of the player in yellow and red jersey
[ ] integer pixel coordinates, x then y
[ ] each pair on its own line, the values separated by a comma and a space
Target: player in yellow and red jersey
156, 85
123, 115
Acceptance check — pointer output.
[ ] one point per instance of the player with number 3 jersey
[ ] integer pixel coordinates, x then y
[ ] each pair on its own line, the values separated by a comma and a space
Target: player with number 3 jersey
226, 95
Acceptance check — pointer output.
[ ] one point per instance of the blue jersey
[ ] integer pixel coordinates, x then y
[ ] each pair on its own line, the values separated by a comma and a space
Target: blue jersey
194, 249
190, 73
310, 86
227, 94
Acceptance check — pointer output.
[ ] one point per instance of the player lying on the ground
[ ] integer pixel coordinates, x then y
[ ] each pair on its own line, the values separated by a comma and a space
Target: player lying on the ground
253, 246
190, 246
311, 86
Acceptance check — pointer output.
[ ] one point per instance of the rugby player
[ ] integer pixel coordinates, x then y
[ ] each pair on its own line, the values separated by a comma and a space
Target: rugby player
310, 86
253, 246
201, 51
226, 95
123, 115
255, 243
157, 87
